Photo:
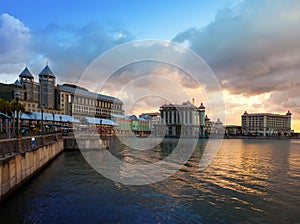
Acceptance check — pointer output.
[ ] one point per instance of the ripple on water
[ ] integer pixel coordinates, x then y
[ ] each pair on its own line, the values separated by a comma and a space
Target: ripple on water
247, 182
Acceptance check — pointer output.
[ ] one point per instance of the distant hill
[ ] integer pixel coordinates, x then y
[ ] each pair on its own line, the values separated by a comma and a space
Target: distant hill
6, 91
74, 86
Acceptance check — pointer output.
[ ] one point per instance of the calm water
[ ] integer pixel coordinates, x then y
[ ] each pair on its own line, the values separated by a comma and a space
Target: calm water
250, 181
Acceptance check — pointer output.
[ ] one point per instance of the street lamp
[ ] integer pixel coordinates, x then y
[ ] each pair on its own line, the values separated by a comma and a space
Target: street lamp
100, 128
19, 137
42, 128
60, 118
53, 115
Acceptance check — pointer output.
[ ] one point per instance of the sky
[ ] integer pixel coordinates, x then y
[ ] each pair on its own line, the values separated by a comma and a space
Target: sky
251, 46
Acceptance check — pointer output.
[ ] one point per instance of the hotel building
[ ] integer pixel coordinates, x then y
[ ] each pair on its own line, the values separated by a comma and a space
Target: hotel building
266, 124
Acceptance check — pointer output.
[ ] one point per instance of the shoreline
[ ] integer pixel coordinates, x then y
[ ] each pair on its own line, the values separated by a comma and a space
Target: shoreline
261, 137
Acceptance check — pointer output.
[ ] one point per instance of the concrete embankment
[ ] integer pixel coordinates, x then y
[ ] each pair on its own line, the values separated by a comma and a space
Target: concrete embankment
16, 169
85, 142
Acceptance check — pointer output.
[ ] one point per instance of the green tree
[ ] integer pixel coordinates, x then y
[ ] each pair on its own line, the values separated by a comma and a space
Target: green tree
16, 106
5, 106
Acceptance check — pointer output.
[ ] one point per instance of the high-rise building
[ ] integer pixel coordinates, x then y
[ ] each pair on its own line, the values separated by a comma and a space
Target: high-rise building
266, 124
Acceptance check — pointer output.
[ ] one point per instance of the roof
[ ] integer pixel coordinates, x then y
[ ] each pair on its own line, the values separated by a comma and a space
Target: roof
48, 117
47, 71
263, 114
82, 92
151, 114
120, 116
201, 106
26, 73
94, 120
131, 117
17, 83
187, 104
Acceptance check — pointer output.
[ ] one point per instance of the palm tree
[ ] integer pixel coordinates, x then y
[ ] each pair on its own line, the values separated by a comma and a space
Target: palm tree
19, 108
16, 106
5, 106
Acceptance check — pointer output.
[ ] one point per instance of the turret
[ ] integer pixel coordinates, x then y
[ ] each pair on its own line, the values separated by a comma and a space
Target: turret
27, 82
47, 86
201, 110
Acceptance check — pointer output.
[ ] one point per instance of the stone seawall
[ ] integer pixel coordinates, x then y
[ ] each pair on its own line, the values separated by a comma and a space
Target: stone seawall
85, 142
16, 169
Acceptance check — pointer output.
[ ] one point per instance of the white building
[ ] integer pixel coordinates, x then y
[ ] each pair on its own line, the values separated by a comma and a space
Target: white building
181, 120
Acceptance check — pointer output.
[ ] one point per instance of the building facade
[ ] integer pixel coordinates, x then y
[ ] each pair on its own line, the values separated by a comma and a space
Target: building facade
47, 82
181, 120
66, 99
266, 124
37, 95
153, 120
79, 102
131, 125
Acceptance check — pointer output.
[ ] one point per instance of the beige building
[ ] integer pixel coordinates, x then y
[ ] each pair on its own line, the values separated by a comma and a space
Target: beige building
266, 124
80, 103
36, 96
61, 99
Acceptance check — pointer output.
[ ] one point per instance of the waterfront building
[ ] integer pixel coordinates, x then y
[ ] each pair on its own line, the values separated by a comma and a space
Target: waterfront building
80, 103
213, 127
233, 130
28, 90
153, 120
181, 120
128, 125
45, 96
46, 99
47, 88
35, 96
266, 124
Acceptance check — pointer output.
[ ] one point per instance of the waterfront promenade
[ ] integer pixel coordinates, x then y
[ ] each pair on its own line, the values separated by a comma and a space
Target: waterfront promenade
21, 158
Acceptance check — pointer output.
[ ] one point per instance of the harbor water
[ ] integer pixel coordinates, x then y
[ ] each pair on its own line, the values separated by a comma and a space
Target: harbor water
249, 181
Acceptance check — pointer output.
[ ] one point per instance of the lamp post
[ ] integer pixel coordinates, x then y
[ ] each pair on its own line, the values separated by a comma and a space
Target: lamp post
60, 118
100, 128
53, 115
19, 137
42, 128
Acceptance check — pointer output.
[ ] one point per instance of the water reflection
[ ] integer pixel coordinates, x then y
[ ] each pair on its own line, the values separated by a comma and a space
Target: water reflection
247, 182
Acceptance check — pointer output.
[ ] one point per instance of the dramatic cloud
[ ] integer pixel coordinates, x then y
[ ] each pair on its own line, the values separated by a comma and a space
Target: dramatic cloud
253, 49
144, 86
68, 49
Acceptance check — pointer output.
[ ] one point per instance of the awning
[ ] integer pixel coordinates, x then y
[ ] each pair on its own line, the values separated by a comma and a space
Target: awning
49, 117
94, 120
4, 116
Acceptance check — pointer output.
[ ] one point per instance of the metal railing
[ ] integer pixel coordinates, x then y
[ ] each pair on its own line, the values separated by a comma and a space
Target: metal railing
11, 146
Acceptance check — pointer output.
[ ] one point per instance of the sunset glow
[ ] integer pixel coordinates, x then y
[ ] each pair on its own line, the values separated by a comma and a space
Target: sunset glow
252, 47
